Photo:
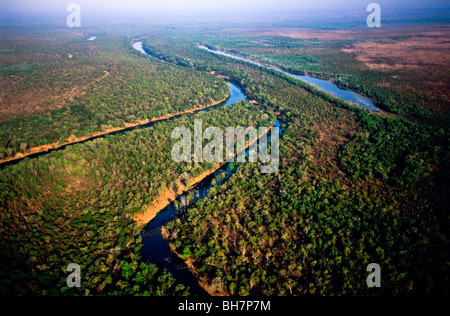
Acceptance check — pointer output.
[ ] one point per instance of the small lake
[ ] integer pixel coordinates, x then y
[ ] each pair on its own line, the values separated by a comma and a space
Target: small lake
324, 85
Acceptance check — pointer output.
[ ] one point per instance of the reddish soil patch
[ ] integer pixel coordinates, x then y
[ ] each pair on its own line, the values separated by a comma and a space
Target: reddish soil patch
424, 54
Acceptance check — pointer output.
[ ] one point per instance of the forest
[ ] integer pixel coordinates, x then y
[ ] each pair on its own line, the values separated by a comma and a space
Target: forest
354, 187
351, 190
104, 84
401, 92
77, 204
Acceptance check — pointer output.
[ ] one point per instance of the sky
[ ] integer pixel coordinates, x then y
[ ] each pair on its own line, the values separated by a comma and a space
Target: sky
196, 6
231, 10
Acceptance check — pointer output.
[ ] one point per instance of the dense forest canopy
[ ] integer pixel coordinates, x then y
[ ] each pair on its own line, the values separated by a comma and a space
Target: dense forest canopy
354, 187
65, 86
351, 190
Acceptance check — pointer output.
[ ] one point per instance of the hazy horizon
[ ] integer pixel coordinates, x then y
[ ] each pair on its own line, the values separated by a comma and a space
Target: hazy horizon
13, 11
208, 6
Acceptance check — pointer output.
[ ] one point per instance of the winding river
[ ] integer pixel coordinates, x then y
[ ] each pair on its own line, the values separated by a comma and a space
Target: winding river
324, 85
155, 248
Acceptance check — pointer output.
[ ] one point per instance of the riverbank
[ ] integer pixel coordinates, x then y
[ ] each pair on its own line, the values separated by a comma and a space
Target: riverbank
168, 196
161, 203
323, 85
203, 280
75, 140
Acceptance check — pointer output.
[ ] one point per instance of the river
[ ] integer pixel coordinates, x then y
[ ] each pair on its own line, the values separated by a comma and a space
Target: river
324, 85
155, 249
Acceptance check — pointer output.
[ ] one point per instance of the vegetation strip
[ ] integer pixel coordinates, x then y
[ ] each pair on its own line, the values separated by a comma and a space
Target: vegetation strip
76, 140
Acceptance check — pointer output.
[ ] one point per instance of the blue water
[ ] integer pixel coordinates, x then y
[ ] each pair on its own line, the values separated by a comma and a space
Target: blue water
138, 46
154, 248
324, 85
236, 95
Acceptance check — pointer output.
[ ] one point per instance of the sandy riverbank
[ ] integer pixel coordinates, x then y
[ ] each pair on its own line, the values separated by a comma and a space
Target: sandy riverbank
74, 140
168, 196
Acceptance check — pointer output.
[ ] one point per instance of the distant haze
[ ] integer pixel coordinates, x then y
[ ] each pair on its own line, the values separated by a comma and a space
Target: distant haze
243, 10
193, 7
